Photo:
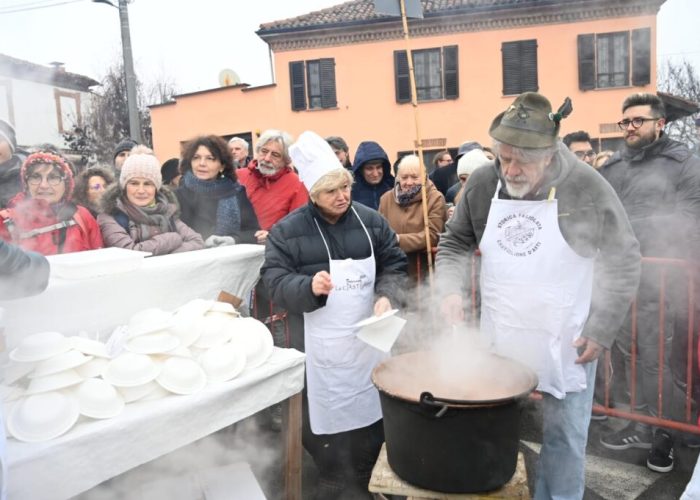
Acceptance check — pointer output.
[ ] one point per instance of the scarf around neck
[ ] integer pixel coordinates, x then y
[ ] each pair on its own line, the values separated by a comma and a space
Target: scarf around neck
406, 197
225, 191
147, 222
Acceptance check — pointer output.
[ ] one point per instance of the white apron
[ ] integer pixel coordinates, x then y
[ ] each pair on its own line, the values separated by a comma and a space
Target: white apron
536, 291
338, 364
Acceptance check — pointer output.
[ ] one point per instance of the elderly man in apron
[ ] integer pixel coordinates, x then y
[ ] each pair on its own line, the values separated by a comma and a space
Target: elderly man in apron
334, 263
559, 267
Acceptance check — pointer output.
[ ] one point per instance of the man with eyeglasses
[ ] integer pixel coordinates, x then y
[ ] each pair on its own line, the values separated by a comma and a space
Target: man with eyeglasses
658, 182
579, 143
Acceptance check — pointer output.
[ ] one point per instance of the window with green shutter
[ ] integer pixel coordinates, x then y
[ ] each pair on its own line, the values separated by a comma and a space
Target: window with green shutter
519, 67
436, 73
312, 82
618, 59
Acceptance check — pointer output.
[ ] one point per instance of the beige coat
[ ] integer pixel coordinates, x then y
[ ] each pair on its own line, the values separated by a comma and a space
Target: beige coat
407, 222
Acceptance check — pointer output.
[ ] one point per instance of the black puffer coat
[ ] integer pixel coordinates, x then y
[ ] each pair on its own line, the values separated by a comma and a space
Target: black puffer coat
295, 252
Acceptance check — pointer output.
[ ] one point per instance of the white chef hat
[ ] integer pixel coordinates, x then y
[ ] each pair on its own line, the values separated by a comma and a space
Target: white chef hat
313, 158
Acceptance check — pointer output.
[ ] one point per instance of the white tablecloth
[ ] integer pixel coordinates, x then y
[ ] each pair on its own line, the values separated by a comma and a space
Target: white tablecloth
96, 450
97, 305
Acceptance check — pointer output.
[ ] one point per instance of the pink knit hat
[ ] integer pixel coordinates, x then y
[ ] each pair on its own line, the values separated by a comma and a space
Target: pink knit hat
48, 158
141, 165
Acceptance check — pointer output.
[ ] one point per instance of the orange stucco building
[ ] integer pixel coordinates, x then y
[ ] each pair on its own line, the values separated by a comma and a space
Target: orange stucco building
343, 71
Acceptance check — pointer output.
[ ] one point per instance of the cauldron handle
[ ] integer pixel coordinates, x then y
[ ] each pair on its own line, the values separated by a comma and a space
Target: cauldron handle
427, 400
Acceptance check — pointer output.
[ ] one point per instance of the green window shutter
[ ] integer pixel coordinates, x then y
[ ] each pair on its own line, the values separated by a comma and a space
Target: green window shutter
528, 66
297, 84
451, 71
641, 56
586, 62
328, 98
401, 76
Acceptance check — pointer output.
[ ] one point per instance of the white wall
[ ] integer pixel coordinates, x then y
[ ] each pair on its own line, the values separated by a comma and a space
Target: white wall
35, 115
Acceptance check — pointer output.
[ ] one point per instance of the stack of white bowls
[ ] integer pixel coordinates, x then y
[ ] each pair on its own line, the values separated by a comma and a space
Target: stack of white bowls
57, 385
59, 378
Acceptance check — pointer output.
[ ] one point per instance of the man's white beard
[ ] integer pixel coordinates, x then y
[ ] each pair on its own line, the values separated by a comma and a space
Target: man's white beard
266, 170
518, 190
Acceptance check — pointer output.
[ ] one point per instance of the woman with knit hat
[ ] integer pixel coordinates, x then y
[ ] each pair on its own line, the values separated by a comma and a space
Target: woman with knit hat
139, 213
42, 217
213, 202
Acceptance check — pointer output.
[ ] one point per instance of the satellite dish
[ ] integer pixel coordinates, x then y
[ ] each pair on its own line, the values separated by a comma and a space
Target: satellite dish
228, 77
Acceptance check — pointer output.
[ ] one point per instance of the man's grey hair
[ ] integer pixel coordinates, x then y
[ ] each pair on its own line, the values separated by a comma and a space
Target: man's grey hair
241, 140
529, 155
278, 136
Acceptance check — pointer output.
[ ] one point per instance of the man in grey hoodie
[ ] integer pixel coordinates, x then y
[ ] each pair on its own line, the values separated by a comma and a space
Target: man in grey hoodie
559, 267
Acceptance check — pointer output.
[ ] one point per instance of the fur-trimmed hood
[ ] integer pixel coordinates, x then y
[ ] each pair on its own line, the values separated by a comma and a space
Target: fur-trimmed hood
108, 203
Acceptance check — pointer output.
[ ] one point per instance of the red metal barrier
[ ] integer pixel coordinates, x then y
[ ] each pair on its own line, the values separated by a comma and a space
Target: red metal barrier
691, 360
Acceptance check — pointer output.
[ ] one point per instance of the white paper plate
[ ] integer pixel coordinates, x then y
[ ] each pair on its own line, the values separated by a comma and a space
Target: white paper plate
39, 347
61, 362
181, 376
99, 399
223, 363
153, 343
253, 337
42, 417
92, 368
89, 346
53, 382
130, 369
137, 392
375, 319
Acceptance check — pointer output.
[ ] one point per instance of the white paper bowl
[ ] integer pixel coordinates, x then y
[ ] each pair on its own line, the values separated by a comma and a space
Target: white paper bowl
157, 393
185, 320
99, 399
214, 329
53, 382
130, 369
89, 346
61, 362
15, 371
92, 368
137, 392
153, 343
222, 363
252, 337
181, 376
43, 416
149, 321
223, 307
39, 347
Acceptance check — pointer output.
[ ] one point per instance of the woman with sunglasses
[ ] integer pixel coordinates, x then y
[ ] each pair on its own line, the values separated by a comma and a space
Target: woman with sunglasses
43, 217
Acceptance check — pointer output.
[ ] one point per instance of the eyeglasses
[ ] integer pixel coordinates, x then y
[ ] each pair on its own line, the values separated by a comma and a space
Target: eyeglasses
636, 122
96, 187
51, 179
584, 154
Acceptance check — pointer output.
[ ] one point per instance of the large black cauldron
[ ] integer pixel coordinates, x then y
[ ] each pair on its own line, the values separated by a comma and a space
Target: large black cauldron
451, 423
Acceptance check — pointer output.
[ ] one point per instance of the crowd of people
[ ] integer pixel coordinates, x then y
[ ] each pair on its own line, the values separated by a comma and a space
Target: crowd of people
561, 230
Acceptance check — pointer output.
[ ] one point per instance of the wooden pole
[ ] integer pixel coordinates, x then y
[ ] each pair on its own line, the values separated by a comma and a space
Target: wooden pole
424, 177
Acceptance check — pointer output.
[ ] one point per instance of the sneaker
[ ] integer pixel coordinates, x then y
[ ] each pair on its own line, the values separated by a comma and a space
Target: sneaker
599, 417
629, 437
660, 457
691, 440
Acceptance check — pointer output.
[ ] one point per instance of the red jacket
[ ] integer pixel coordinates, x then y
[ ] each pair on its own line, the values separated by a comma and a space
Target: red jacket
272, 196
25, 215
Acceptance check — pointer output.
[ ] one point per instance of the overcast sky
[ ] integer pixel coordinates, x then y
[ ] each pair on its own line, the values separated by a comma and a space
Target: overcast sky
189, 43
